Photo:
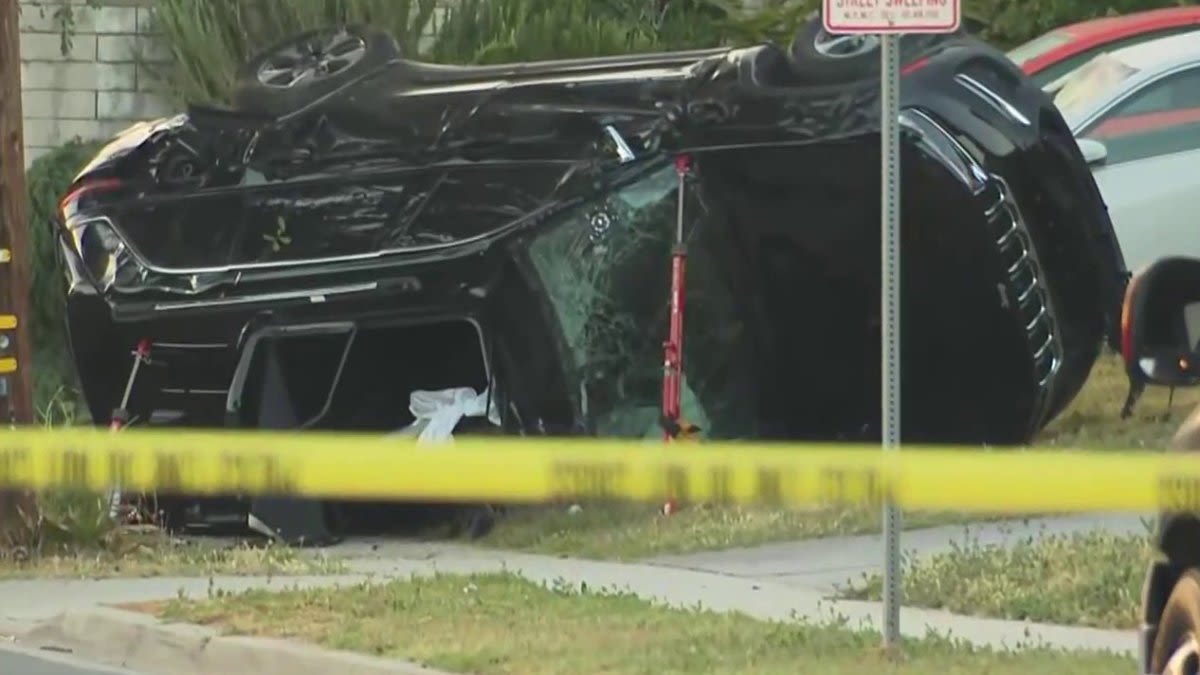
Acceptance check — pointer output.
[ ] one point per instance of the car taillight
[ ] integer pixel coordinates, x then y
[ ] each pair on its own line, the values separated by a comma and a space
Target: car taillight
68, 205
1127, 321
915, 66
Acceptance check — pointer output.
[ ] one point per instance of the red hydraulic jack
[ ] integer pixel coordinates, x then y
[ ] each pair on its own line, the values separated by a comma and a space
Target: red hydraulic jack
120, 416
674, 427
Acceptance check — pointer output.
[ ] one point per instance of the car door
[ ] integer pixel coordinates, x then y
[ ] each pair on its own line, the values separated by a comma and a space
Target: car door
1150, 178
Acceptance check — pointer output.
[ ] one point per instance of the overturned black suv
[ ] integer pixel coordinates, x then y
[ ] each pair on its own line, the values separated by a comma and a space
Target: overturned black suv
362, 226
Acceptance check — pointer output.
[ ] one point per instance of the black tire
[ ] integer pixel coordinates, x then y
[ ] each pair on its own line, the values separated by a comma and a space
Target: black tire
333, 57
858, 61
1179, 625
842, 59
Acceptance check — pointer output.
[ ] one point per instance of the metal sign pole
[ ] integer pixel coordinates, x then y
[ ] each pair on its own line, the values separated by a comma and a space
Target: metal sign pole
889, 134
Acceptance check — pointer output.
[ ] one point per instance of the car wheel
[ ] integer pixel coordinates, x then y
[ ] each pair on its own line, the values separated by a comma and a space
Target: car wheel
296, 73
821, 57
1177, 647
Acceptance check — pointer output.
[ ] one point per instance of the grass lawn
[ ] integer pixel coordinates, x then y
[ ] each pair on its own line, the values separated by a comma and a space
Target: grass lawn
628, 531
75, 539
631, 531
1089, 579
498, 623
156, 555
1084, 579
1093, 420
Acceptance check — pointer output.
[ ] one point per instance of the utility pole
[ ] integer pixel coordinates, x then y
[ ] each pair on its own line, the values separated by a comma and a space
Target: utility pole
16, 350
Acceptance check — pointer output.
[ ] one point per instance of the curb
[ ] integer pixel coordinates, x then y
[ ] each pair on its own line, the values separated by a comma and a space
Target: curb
141, 642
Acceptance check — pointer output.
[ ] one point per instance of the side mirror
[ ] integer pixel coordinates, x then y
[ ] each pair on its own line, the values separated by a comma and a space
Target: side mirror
1160, 324
1094, 152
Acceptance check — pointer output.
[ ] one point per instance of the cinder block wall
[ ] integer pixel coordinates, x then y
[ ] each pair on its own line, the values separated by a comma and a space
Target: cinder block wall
96, 89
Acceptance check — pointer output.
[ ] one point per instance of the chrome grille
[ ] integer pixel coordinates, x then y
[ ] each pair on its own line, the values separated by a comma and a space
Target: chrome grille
1024, 290
1022, 285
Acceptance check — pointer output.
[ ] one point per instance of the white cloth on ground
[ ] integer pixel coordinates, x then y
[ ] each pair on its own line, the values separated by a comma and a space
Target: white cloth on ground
438, 412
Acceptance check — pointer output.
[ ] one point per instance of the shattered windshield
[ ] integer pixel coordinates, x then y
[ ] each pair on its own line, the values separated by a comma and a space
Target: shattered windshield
606, 268
1088, 85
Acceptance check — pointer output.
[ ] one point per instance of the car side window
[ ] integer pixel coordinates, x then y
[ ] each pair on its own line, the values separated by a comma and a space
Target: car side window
1053, 72
1161, 118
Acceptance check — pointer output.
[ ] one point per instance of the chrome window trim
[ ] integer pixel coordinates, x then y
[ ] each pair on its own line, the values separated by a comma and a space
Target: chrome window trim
314, 295
1121, 98
964, 166
281, 264
996, 100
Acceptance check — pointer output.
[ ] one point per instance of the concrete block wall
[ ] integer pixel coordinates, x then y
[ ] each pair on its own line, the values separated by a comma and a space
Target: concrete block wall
97, 88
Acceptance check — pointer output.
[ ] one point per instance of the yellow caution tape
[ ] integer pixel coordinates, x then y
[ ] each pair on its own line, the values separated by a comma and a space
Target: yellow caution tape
508, 469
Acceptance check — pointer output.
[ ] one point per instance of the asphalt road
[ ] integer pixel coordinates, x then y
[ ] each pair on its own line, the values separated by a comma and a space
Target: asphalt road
15, 661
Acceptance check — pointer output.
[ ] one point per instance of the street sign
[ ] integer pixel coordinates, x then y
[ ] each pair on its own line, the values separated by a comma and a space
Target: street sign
892, 16
889, 142
890, 19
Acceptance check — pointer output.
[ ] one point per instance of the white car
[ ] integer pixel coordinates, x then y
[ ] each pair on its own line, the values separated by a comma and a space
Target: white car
1136, 114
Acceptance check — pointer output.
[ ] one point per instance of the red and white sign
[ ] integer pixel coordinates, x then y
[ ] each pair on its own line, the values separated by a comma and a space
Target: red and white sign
892, 16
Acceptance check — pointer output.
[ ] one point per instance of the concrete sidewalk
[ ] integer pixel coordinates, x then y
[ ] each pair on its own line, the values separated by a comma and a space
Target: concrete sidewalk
719, 589
823, 564
779, 582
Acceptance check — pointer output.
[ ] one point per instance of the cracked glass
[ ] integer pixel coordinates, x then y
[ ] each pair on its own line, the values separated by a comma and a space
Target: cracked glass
606, 268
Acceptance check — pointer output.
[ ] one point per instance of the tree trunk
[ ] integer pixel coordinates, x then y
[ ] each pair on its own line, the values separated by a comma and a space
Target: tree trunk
17, 508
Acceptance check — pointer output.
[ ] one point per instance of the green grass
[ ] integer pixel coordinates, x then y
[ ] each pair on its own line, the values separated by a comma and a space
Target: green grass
1093, 420
153, 554
500, 624
1083, 579
630, 531
1089, 579
73, 537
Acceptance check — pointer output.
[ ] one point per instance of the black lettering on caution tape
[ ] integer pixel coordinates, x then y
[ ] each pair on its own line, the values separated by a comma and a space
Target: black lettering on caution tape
846, 487
721, 484
261, 474
120, 468
675, 483
169, 472
69, 468
769, 487
14, 466
1179, 493
594, 480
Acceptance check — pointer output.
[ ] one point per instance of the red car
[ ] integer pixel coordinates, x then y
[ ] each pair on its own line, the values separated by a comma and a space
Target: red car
1050, 56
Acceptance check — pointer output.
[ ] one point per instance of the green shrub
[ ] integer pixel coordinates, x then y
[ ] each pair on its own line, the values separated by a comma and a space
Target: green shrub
501, 31
208, 41
48, 179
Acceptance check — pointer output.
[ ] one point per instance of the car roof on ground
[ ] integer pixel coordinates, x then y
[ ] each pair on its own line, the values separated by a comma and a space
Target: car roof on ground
1147, 55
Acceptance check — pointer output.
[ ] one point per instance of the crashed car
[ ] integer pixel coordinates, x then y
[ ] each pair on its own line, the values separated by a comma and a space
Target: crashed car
360, 226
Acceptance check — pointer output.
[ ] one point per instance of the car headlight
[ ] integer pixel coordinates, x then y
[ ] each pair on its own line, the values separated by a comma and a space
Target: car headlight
104, 255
